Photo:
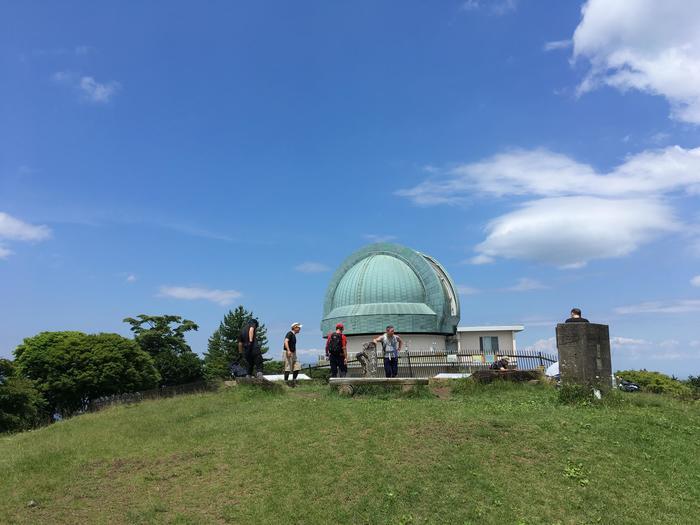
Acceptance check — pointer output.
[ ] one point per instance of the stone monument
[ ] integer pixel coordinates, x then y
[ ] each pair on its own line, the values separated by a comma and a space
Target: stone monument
584, 355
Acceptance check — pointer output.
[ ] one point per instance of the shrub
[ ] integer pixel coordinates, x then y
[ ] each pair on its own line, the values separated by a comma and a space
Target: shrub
576, 394
656, 382
21, 404
273, 367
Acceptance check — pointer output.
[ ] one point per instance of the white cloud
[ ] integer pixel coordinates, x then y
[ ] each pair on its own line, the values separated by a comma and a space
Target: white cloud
526, 284
570, 231
466, 290
131, 278
541, 172
13, 229
222, 297
311, 267
97, 92
646, 45
493, 7
557, 44
695, 344
548, 345
661, 307
90, 89
695, 281
628, 341
375, 237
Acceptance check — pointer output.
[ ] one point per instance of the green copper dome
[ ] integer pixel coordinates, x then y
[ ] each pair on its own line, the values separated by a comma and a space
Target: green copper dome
384, 284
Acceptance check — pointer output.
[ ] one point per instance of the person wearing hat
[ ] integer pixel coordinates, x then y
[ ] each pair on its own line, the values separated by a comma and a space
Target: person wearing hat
291, 363
501, 364
337, 351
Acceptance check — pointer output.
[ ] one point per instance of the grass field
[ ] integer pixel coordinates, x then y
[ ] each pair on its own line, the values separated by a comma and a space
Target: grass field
493, 454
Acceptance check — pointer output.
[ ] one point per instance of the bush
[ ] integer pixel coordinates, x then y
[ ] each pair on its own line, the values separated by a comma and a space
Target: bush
576, 394
273, 367
70, 368
656, 382
21, 404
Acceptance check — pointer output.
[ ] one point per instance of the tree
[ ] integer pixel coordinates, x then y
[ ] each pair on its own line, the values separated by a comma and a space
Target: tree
21, 404
70, 368
222, 348
173, 357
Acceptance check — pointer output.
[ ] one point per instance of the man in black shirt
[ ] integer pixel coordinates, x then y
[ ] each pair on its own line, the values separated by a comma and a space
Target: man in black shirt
291, 363
251, 348
576, 316
501, 364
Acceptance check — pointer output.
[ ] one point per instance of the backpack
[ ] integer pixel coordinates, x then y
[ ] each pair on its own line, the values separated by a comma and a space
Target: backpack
335, 344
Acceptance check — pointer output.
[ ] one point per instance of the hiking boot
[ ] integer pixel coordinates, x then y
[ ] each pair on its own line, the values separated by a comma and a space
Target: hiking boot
294, 383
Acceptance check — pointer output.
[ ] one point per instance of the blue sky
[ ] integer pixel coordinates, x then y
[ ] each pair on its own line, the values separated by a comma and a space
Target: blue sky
172, 157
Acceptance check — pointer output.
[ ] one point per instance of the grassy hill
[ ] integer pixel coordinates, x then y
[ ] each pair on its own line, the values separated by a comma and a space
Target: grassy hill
493, 454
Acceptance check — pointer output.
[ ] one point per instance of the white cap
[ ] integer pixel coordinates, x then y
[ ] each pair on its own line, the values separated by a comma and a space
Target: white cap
296, 324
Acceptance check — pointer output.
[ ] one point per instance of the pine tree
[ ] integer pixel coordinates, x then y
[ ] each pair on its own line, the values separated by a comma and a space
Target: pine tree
222, 347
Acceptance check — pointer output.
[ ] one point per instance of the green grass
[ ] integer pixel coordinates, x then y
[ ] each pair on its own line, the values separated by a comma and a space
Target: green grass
492, 454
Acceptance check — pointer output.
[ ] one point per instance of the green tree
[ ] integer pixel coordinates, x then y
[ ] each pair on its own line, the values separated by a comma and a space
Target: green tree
21, 405
70, 368
222, 348
163, 337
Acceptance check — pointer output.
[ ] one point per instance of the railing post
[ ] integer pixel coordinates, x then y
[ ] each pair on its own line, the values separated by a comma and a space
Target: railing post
410, 369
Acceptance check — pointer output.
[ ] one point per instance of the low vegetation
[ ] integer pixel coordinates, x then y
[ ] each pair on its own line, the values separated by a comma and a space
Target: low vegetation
497, 453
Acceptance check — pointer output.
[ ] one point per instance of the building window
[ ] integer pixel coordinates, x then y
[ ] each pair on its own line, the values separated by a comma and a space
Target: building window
488, 345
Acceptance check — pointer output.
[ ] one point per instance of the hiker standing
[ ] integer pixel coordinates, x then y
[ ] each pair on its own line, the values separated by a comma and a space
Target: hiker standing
251, 348
337, 351
576, 317
391, 346
291, 363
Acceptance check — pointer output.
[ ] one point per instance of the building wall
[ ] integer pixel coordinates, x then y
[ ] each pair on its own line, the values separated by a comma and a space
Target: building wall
469, 341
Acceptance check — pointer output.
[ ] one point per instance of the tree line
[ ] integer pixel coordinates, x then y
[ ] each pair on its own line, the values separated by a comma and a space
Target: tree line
56, 374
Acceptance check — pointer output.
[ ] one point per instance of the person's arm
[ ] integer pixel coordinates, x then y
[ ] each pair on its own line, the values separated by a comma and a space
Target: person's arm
328, 341
286, 344
345, 349
377, 339
400, 342
251, 335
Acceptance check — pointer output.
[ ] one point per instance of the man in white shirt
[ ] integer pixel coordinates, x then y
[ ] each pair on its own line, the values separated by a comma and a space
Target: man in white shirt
391, 346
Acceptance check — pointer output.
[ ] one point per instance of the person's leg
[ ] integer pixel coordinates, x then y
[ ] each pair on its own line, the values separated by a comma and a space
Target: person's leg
387, 367
287, 367
334, 366
343, 367
394, 367
248, 354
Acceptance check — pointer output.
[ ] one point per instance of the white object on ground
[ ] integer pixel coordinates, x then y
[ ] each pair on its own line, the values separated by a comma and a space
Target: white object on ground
446, 375
552, 370
280, 377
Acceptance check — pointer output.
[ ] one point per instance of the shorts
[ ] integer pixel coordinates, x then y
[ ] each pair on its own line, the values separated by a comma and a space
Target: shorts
291, 363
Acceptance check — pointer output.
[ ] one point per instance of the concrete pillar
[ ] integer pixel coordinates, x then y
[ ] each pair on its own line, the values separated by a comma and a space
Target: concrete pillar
584, 354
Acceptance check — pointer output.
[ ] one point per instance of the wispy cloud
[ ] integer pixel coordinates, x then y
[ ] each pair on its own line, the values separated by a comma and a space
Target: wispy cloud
90, 89
492, 7
679, 306
557, 44
695, 281
131, 278
466, 290
312, 267
375, 237
526, 284
222, 297
13, 229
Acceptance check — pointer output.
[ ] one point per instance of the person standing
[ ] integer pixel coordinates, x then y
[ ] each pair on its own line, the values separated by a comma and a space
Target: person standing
337, 351
291, 363
251, 348
391, 346
576, 317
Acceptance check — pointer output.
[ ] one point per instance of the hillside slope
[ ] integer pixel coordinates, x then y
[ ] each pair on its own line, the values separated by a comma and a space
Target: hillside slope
497, 454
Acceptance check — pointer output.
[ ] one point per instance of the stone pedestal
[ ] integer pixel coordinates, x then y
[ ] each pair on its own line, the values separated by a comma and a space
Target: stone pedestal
584, 354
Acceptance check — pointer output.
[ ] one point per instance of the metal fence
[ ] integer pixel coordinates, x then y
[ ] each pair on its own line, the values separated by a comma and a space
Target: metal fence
157, 393
413, 363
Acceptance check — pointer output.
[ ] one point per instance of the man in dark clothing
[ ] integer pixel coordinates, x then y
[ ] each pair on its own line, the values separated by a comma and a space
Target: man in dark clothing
501, 364
251, 348
576, 317
337, 351
291, 363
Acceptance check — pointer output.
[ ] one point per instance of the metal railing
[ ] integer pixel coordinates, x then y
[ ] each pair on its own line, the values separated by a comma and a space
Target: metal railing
415, 363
